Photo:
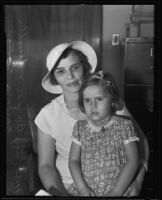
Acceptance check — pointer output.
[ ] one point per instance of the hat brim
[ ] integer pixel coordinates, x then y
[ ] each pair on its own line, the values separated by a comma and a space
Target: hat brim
85, 48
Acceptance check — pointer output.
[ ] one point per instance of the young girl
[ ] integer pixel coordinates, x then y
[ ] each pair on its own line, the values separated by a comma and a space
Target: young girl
103, 157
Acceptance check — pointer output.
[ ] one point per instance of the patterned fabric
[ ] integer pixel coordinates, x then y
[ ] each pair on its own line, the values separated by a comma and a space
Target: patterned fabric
103, 152
54, 120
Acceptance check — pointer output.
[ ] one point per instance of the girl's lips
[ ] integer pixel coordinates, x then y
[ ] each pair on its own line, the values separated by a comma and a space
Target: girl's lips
94, 113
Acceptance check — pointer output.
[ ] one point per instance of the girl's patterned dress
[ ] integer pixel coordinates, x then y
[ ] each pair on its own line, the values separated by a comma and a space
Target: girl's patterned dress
102, 152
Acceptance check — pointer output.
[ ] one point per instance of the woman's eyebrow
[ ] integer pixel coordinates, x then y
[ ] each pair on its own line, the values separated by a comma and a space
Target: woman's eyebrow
70, 65
76, 63
59, 68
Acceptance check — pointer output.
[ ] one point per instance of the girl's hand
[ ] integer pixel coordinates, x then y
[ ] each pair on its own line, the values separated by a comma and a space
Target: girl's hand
86, 191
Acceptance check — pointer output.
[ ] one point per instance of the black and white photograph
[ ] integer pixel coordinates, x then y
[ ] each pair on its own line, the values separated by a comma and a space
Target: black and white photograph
81, 112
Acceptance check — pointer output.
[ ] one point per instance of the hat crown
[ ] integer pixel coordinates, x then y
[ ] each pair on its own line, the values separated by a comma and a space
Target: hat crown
54, 54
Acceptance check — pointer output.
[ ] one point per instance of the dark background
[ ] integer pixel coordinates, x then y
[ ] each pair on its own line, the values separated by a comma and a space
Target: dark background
30, 32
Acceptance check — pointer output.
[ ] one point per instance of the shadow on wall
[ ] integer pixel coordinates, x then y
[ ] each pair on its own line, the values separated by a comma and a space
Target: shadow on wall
113, 63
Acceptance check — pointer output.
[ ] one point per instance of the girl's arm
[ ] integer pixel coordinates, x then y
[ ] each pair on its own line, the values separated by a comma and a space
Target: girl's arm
128, 172
75, 169
46, 167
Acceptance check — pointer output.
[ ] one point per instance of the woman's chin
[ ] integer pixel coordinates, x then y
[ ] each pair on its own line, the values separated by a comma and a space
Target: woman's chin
73, 90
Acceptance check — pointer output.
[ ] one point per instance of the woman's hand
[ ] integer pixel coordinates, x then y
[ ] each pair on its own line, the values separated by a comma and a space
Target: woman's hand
135, 188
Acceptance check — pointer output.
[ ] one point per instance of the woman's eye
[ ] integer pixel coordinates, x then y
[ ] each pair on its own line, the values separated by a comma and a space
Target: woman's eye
76, 67
61, 71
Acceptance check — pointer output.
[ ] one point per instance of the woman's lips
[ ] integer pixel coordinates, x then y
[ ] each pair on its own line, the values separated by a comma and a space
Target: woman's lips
73, 84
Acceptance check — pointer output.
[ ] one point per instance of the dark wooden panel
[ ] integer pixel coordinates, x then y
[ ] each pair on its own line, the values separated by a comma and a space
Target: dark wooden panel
31, 31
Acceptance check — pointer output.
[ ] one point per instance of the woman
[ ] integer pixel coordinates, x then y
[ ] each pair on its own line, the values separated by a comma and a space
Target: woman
68, 64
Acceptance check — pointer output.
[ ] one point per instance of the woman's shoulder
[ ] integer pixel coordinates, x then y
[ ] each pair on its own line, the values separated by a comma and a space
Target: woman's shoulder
123, 118
120, 107
54, 103
53, 107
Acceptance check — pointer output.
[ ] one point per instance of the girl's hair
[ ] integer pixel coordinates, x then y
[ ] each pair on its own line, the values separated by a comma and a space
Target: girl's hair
83, 60
105, 80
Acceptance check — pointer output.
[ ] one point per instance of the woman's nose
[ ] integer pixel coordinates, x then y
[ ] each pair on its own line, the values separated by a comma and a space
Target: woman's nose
70, 74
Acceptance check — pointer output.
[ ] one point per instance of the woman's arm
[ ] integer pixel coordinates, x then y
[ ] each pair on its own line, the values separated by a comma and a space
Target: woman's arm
143, 143
135, 187
46, 168
75, 169
128, 172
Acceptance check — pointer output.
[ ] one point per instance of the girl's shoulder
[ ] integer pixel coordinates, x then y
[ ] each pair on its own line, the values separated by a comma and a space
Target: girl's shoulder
82, 123
123, 119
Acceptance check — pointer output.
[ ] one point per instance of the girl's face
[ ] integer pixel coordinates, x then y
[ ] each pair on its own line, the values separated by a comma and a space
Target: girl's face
69, 74
97, 103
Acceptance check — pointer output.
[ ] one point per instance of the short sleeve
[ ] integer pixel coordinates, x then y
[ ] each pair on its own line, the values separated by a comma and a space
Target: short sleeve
128, 132
42, 121
75, 134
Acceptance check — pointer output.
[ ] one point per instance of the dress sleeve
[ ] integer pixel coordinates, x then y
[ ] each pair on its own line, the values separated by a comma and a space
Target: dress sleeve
128, 132
75, 134
43, 121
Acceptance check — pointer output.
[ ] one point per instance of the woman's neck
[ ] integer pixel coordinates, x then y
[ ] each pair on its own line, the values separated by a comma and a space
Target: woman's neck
71, 100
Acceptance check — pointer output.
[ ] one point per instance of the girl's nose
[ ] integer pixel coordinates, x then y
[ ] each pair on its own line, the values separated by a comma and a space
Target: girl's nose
93, 104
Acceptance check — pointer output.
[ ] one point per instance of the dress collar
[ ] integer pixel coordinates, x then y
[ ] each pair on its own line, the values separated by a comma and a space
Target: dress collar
98, 128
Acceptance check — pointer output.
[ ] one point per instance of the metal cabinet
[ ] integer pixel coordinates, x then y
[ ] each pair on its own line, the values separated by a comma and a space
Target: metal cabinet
139, 61
139, 93
139, 78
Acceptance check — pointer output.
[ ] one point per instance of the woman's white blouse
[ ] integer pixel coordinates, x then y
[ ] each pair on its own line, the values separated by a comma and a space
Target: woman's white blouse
54, 120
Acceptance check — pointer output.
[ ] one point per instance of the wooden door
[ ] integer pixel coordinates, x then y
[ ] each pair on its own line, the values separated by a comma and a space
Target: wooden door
31, 31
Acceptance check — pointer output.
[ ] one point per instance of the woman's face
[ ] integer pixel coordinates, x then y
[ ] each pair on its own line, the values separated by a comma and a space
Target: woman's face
69, 73
97, 103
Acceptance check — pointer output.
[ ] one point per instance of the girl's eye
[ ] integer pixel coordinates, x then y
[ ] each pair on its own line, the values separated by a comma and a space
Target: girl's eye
86, 100
99, 99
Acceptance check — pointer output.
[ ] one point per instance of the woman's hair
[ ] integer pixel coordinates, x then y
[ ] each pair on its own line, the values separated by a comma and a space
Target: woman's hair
83, 60
108, 83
